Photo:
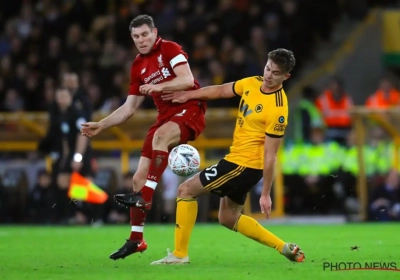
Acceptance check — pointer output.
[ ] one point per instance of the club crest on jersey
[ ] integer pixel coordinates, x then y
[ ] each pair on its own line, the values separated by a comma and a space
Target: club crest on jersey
160, 61
259, 108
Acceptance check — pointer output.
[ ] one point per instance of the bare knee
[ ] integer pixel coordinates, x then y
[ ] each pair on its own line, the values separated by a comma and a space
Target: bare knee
228, 218
184, 191
138, 180
159, 137
191, 188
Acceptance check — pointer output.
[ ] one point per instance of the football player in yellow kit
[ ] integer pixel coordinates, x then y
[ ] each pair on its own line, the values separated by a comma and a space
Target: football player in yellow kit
261, 121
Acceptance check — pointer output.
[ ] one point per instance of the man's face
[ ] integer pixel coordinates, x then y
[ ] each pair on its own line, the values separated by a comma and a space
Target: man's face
274, 75
144, 38
70, 81
385, 85
44, 180
335, 87
63, 98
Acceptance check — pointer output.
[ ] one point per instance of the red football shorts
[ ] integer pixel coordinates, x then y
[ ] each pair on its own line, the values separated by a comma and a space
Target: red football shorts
191, 122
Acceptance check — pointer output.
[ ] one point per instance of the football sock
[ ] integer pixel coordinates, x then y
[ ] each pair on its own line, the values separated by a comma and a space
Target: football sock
159, 162
186, 214
252, 229
138, 216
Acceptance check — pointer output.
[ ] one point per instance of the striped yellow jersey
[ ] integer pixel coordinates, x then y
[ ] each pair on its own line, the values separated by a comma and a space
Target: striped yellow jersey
260, 114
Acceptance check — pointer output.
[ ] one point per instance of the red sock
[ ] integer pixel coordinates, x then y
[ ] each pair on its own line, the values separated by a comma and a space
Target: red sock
158, 164
138, 216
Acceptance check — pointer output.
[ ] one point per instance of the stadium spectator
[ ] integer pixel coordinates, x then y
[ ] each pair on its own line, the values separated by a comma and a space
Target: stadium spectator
307, 116
4, 207
41, 200
385, 199
334, 104
118, 214
385, 96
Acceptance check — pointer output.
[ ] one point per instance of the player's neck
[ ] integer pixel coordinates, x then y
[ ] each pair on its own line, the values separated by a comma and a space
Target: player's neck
267, 89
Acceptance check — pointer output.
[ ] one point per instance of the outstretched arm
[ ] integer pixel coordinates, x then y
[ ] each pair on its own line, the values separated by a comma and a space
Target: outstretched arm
120, 115
206, 93
123, 113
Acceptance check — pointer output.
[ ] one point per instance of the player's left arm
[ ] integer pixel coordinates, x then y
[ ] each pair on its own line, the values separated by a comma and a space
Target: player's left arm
183, 80
274, 132
271, 147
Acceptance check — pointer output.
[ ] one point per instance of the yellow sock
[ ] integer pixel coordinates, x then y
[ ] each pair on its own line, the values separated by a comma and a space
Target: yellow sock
252, 229
186, 214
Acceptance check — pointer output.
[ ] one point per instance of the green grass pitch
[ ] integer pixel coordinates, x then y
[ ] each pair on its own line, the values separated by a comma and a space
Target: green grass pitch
81, 253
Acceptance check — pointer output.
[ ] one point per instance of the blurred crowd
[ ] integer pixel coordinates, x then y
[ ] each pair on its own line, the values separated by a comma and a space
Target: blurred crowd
225, 40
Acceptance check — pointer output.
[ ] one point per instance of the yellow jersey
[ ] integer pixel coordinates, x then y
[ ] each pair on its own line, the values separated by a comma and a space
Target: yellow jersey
260, 114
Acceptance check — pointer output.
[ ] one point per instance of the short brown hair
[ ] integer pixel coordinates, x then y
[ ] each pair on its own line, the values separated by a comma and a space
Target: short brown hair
140, 20
283, 58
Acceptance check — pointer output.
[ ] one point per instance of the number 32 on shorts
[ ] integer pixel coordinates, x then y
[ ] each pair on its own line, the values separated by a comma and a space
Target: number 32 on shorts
210, 172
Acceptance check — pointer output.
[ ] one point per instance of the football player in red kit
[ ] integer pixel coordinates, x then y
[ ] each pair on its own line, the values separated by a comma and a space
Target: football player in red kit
160, 66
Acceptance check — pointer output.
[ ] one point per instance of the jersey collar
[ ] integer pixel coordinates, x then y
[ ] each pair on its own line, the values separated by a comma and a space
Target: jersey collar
272, 92
156, 43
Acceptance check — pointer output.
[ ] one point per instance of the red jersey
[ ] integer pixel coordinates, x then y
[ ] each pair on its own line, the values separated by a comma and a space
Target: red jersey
157, 67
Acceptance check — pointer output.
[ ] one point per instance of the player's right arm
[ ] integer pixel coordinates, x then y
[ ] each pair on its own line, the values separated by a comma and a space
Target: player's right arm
132, 103
124, 112
206, 93
120, 115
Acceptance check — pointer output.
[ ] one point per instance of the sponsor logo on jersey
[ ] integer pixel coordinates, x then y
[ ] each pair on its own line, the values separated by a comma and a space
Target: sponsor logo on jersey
151, 76
279, 127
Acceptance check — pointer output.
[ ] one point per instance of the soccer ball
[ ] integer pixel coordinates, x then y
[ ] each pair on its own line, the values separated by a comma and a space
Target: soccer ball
184, 160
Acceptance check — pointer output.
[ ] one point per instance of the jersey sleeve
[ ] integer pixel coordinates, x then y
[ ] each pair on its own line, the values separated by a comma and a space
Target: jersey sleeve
174, 54
276, 124
135, 81
238, 86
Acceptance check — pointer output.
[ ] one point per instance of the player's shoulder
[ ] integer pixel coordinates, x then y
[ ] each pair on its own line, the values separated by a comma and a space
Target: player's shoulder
137, 62
170, 47
281, 101
169, 44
